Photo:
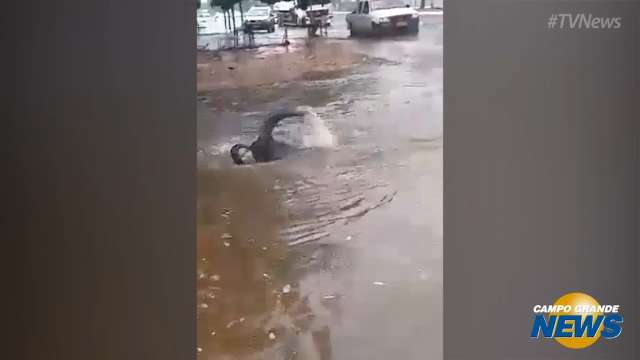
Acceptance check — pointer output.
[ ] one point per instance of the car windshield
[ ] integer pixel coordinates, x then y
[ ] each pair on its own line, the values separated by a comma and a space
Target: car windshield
258, 12
387, 4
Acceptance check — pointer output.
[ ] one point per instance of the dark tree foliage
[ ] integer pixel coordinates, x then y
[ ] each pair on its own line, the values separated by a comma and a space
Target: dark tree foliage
224, 4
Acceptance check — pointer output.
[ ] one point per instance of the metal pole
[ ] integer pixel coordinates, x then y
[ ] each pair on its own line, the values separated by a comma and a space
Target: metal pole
235, 30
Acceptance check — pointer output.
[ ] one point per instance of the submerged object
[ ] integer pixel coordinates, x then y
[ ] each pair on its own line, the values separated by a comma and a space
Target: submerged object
265, 148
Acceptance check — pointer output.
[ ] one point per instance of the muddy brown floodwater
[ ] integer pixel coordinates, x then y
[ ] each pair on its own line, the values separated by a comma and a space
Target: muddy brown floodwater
334, 252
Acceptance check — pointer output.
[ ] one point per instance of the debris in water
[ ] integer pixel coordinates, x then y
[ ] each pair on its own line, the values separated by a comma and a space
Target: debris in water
272, 335
233, 322
379, 283
231, 68
213, 333
204, 259
348, 238
286, 289
227, 244
329, 297
264, 248
266, 276
214, 277
202, 275
204, 306
226, 236
199, 349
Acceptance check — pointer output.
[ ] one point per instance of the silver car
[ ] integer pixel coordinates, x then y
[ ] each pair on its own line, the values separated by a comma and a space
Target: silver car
259, 18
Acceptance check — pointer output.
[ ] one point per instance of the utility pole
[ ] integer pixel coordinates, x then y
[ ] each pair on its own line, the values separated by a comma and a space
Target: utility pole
233, 19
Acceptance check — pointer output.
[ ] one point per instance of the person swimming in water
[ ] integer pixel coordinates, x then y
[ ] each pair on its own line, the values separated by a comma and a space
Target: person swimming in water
265, 148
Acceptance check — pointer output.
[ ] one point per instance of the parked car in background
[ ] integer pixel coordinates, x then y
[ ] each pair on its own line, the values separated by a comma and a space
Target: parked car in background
285, 11
259, 18
317, 9
377, 17
290, 13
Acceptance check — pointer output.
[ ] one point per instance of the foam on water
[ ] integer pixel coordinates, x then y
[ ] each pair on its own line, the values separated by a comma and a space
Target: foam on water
221, 148
311, 131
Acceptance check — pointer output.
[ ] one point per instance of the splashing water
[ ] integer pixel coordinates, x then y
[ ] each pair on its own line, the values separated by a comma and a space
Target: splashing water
302, 132
310, 131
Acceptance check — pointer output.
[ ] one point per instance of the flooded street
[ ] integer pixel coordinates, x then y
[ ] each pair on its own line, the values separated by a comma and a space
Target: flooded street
334, 252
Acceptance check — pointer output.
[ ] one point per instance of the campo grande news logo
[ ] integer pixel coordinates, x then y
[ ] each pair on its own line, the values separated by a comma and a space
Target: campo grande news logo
576, 321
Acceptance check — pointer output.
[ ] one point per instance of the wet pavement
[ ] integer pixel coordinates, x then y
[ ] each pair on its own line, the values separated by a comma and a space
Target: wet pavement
334, 252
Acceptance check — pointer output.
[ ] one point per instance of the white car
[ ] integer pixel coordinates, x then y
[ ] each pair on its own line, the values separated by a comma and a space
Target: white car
318, 8
376, 17
260, 18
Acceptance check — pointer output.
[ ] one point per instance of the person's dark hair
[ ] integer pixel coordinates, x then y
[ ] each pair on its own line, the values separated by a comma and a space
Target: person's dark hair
235, 153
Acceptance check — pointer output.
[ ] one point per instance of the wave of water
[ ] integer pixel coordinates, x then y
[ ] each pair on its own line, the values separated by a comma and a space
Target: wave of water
310, 131
322, 190
320, 203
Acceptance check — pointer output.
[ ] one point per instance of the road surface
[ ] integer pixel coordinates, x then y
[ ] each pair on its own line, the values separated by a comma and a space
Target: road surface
336, 251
